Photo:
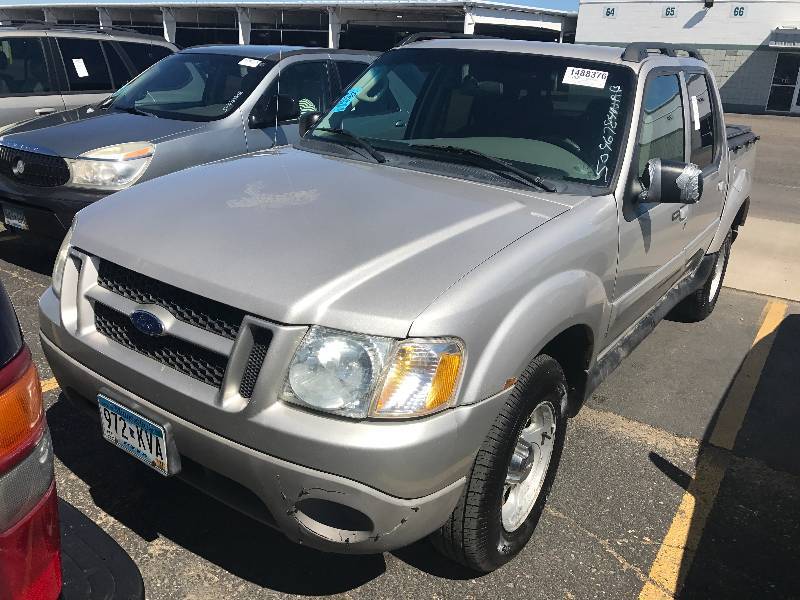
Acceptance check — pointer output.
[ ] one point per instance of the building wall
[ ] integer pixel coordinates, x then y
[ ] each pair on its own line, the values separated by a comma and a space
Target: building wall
734, 42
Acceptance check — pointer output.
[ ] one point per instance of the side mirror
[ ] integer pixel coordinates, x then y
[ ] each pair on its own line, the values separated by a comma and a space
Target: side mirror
671, 182
280, 108
308, 120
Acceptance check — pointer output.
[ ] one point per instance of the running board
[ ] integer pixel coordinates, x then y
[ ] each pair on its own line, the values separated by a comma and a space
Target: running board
636, 333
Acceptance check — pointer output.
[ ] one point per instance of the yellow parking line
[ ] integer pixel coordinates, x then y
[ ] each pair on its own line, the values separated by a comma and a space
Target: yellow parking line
677, 551
49, 384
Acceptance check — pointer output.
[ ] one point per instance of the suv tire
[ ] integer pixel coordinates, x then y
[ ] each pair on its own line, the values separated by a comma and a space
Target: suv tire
700, 304
477, 533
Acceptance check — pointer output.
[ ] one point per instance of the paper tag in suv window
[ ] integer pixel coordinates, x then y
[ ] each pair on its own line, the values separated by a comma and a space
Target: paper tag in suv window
585, 77
80, 67
250, 62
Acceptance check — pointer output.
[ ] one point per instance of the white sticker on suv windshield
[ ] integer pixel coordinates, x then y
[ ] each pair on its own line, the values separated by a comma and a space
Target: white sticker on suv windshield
250, 62
585, 77
80, 67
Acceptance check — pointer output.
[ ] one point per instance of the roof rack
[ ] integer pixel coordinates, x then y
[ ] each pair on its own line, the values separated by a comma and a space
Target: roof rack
440, 35
34, 24
638, 51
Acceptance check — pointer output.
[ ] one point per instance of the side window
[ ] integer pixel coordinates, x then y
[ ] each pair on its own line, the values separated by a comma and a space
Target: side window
86, 66
307, 84
119, 71
349, 71
23, 69
144, 56
703, 133
661, 134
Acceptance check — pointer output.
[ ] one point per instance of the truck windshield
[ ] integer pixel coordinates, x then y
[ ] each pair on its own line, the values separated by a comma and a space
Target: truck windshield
191, 87
553, 117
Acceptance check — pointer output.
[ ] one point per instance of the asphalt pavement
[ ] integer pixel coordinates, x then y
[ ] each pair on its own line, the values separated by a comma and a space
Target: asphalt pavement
681, 476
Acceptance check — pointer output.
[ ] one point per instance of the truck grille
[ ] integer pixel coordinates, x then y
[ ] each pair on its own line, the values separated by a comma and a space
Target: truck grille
40, 170
185, 357
190, 308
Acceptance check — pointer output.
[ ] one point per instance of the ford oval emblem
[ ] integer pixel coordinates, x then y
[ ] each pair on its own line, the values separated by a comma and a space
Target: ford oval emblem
147, 323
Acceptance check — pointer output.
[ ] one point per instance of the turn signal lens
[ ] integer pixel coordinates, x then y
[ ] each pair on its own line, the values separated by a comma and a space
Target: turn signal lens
21, 411
423, 378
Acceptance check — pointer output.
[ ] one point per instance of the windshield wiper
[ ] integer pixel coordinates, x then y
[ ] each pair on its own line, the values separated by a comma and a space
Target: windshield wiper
490, 163
379, 158
133, 110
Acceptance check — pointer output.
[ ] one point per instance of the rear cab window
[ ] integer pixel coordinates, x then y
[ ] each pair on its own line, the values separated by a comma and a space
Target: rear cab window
23, 69
85, 63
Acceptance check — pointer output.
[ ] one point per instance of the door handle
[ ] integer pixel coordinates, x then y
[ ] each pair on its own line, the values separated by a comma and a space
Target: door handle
44, 111
681, 214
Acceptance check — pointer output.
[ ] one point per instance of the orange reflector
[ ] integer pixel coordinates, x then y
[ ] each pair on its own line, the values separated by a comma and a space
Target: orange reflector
21, 411
141, 153
444, 382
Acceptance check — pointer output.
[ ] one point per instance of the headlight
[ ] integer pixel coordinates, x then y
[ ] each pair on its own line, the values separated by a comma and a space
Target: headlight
61, 261
111, 168
358, 375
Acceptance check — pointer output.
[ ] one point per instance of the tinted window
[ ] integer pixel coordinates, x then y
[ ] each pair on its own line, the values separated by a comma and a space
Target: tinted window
348, 71
703, 120
662, 133
22, 67
85, 64
307, 83
193, 86
119, 71
554, 117
10, 338
144, 56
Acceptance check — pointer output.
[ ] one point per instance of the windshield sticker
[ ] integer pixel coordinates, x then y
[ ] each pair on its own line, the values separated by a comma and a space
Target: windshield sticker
585, 77
250, 62
345, 101
80, 67
696, 113
609, 133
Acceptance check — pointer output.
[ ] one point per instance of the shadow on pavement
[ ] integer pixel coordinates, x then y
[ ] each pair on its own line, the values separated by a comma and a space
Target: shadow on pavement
32, 253
744, 537
94, 566
153, 506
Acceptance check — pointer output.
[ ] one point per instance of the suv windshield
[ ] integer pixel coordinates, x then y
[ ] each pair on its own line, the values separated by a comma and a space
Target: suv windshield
552, 117
192, 87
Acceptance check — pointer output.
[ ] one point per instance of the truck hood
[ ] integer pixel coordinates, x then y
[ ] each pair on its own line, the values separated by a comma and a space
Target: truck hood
72, 132
303, 238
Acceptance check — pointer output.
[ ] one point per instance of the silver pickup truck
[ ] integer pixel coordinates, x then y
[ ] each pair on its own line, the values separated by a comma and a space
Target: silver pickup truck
379, 334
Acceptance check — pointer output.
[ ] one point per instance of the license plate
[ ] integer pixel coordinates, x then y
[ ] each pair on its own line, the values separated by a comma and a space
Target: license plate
14, 217
133, 433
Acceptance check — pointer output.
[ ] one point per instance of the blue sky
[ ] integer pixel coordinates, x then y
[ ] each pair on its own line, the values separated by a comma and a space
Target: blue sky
559, 4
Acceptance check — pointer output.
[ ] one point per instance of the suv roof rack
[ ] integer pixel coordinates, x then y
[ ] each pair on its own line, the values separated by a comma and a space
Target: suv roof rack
29, 24
440, 35
638, 51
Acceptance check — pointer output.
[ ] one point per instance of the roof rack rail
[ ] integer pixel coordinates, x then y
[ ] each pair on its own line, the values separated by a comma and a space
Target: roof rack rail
34, 24
440, 35
638, 51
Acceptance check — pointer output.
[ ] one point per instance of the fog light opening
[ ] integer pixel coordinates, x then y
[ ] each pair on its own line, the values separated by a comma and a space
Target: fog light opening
334, 521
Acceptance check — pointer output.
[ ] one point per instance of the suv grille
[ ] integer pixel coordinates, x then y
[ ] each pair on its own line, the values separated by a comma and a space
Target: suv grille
40, 170
198, 363
190, 308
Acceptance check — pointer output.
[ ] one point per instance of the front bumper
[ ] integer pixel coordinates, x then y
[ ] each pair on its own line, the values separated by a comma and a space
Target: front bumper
48, 211
311, 507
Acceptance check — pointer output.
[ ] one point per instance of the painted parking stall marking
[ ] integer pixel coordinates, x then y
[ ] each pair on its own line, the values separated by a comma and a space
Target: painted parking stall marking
136, 435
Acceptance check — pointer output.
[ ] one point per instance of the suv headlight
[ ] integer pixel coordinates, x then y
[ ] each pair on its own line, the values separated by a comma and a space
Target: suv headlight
111, 168
358, 376
61, 261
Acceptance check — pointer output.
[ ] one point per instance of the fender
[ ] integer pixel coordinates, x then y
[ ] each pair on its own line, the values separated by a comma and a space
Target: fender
741, 182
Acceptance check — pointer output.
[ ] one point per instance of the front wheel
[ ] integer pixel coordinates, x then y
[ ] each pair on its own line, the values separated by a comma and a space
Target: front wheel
512, 473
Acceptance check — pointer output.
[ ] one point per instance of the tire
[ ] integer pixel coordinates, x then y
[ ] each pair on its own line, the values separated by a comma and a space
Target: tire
700, 304
476, 534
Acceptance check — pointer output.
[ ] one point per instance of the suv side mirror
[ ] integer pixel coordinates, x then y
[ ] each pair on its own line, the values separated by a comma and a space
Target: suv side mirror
671, 182
308, 120
280, 108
